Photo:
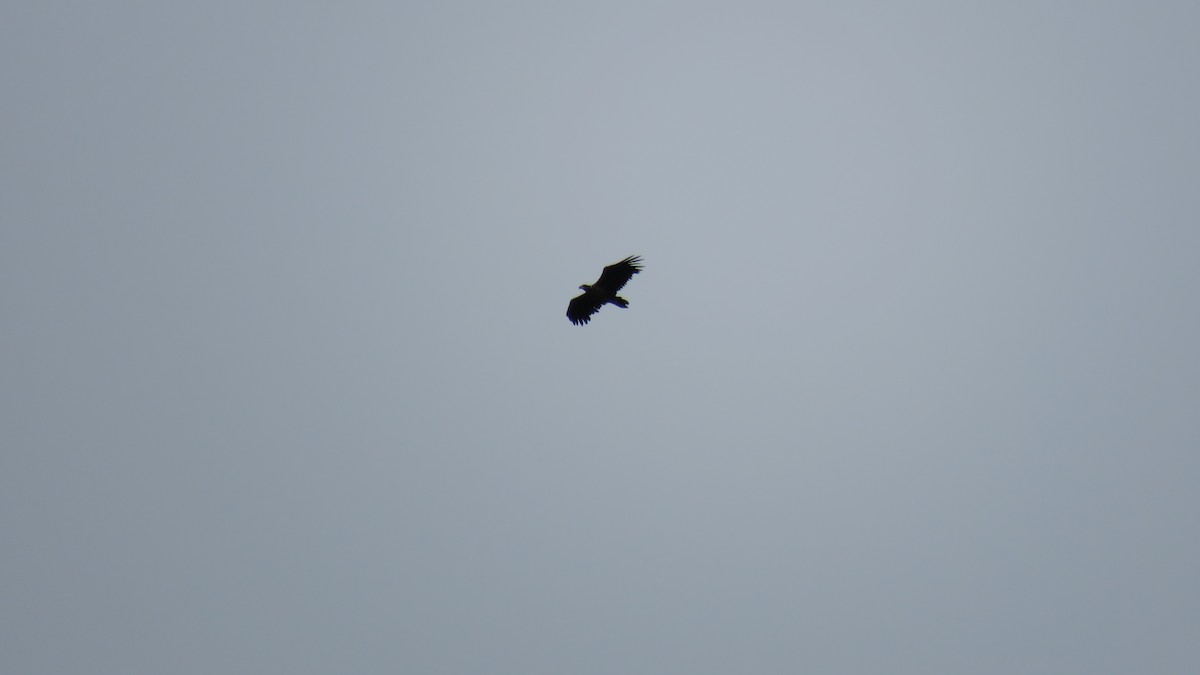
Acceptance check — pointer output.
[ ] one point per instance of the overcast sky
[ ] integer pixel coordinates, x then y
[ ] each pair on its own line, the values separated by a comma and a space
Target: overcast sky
910, 382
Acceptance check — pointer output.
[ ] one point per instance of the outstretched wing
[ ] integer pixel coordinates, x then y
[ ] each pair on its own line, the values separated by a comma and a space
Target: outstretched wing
582, 308
617, 275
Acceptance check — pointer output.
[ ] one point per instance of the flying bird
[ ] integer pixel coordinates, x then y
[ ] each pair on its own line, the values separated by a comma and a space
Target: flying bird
604, 291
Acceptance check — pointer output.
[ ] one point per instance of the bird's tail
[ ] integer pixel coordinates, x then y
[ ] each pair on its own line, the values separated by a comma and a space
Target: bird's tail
619, 301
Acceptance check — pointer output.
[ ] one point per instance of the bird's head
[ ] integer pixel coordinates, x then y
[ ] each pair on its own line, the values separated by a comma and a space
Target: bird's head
585, 287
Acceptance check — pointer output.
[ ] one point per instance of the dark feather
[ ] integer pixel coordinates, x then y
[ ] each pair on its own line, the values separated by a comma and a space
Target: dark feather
582, 308
615, 276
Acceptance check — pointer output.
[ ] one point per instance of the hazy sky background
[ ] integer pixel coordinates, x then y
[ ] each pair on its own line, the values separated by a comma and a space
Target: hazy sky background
910, 383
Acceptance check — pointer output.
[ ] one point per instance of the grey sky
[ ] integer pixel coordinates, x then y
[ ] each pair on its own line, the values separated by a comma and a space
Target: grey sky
909, 384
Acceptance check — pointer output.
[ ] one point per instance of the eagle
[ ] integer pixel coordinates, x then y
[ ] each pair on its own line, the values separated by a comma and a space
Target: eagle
604, 291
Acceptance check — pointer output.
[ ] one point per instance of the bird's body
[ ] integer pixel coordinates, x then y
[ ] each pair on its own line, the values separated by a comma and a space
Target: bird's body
604, 291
